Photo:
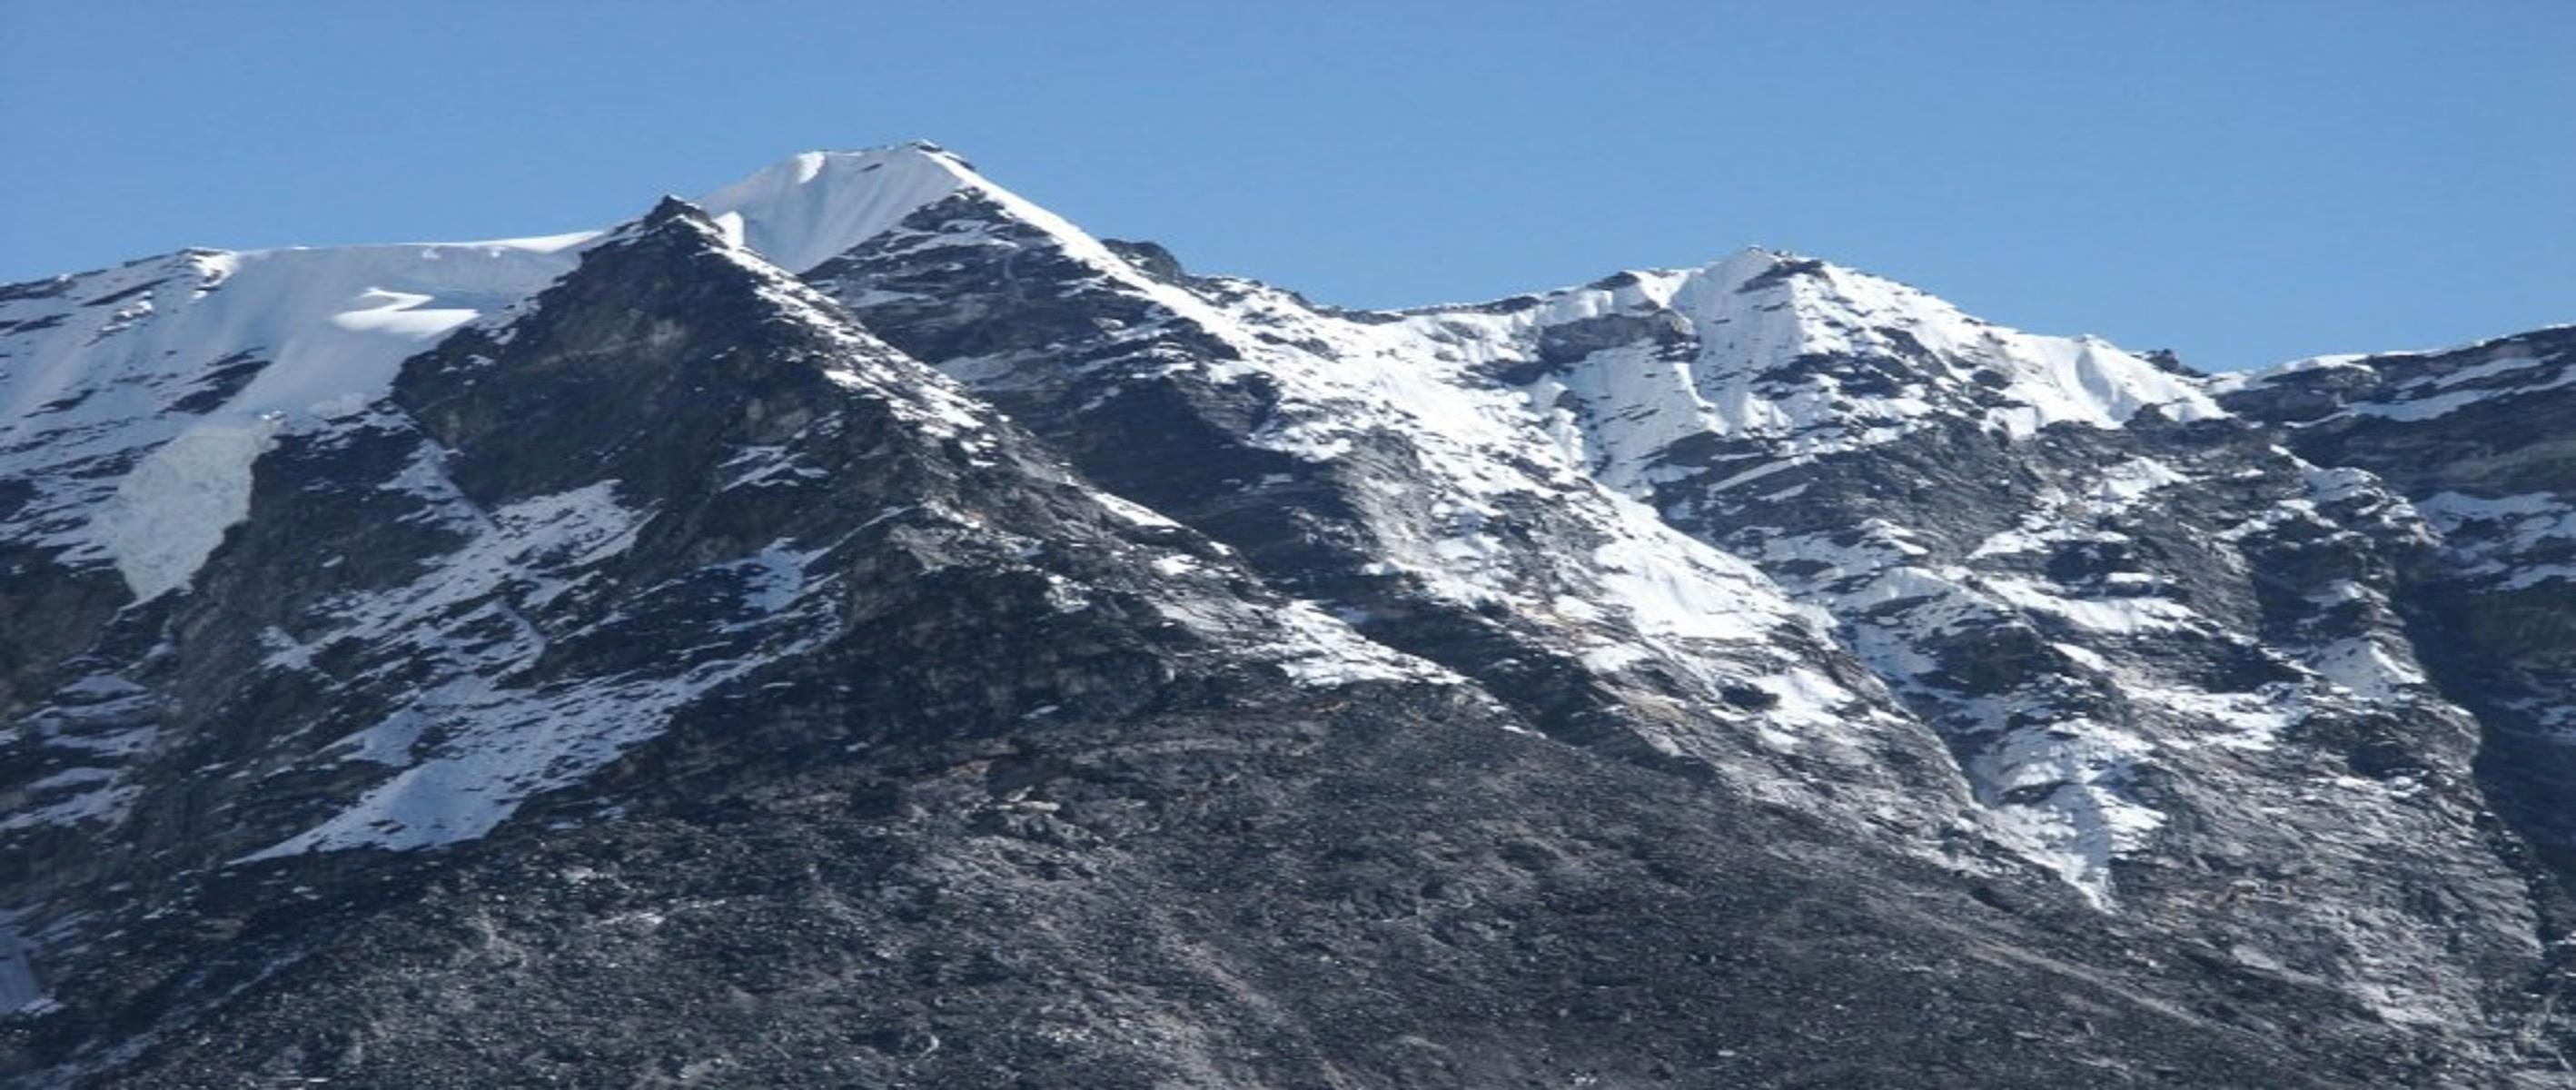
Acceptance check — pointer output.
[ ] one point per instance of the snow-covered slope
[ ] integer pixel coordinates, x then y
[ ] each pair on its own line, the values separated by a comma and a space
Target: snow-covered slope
804, 210
1810, 356
134, 399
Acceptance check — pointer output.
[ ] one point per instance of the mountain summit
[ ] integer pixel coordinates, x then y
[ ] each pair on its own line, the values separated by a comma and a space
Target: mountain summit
804, 210
857, 628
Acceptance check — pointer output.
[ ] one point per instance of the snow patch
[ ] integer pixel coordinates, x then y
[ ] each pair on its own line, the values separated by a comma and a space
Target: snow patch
170, 513
2443, 404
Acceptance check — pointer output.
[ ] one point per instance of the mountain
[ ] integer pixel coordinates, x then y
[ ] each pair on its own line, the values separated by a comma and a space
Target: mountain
857, 628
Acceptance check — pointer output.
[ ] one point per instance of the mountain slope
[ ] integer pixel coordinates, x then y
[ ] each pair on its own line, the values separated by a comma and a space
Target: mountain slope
2158, 656
2166, 655
472, 592
1426, 507
862, 628
2477, 439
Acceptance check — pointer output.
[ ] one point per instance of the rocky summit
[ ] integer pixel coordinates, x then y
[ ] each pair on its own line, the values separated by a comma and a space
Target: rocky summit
858, 629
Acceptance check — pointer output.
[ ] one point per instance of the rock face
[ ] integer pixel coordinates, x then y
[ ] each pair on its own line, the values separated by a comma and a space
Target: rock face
858, 629
2479, 440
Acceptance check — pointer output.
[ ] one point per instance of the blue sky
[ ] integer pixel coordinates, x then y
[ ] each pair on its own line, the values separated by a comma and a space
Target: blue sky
2243, 183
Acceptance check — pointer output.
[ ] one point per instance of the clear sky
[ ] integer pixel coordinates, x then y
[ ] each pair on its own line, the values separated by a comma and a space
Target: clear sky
2243, 182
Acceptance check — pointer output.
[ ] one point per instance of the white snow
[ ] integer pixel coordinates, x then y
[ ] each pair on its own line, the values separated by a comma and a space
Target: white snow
1756, 315
1136, 513
2478, 372
2239, 720
1891, 599
2234, 381
2086, 818
502, 737
1671, 590
807, 209
400, 314
2367, 669
1316, 649
2523, 520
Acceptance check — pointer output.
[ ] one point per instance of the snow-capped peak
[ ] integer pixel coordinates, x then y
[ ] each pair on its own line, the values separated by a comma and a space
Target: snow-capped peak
1769, 344
1800, 306
808, 208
